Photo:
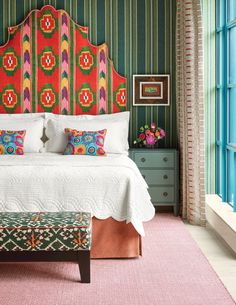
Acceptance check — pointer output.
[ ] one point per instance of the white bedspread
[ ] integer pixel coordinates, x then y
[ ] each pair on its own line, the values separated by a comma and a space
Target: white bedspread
109, 186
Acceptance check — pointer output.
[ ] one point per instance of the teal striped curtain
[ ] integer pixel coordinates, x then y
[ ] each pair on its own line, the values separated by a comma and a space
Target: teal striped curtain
141, 39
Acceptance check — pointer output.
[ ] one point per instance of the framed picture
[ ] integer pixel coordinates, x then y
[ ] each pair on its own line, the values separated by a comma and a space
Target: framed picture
151, 90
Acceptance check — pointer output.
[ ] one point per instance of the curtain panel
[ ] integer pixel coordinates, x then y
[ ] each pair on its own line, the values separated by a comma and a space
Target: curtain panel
190, 109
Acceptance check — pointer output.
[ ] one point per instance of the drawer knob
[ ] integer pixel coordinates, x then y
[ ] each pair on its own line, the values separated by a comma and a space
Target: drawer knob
165, 177
165, 159
165, 194
143, 159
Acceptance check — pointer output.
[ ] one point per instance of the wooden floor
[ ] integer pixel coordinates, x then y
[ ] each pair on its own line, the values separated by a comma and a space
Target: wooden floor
218, 254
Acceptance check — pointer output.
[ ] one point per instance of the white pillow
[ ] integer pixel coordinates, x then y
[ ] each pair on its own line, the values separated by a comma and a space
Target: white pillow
23, 115
116, 140
34, 130
124, 116
112, 116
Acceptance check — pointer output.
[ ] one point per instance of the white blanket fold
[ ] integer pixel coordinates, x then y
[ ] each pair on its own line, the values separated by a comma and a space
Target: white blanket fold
110, 186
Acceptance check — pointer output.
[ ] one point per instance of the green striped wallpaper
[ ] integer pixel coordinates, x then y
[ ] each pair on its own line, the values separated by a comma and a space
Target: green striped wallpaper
141, 39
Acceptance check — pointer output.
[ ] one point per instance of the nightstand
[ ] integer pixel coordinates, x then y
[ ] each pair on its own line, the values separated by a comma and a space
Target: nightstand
160, 169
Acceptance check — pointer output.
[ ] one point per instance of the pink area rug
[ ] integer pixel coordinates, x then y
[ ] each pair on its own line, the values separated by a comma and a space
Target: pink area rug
172, 271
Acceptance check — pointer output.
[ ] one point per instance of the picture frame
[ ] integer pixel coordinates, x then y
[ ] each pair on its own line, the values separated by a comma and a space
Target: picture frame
151, 90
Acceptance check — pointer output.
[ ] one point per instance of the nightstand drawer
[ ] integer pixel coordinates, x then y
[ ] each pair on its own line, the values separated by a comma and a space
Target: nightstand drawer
161, 194
158, 176
149, 159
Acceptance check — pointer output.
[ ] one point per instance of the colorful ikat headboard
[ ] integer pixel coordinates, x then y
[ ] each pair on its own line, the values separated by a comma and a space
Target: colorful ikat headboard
48, 65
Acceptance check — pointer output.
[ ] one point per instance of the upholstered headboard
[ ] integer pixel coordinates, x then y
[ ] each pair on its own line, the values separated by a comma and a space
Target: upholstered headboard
48, 65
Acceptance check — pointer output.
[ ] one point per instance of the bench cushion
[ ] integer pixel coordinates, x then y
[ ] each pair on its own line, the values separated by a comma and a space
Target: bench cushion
49, 231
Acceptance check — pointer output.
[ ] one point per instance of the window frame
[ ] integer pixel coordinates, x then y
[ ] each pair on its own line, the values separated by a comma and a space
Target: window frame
225, 150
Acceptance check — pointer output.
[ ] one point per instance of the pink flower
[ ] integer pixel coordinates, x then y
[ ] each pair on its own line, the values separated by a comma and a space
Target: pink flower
162, 133
142, 136
150, 140
153, 127
147, 132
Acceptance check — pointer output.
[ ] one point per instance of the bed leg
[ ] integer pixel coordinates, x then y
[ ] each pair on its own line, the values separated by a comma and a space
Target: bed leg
83, 257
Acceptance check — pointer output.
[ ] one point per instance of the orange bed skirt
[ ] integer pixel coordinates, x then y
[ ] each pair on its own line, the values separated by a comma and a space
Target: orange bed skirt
114, 239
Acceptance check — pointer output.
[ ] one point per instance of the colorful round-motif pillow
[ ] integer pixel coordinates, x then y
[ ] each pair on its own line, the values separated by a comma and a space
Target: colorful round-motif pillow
12, 142
85, 142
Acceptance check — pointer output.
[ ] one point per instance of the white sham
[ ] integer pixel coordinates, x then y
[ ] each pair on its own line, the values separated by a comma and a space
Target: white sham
117, 131
34, 130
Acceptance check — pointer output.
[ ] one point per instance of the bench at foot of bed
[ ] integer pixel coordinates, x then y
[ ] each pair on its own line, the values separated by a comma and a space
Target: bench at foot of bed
49, 236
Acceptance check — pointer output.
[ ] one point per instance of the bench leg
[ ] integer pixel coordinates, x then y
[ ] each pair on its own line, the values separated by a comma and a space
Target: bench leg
84, 265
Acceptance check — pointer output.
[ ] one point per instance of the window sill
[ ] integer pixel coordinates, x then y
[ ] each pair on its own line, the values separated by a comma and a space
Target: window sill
222, 219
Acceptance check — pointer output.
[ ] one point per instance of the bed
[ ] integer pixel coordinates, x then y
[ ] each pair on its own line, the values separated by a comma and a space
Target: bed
49, 66
110, 188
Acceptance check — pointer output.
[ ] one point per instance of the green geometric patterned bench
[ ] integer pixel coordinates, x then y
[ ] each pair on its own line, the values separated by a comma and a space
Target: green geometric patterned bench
47, 236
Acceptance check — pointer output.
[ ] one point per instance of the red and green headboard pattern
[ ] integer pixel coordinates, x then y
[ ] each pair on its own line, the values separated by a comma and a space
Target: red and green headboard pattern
49, 65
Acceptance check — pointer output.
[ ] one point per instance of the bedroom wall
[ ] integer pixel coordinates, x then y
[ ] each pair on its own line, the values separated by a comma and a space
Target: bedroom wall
141, 39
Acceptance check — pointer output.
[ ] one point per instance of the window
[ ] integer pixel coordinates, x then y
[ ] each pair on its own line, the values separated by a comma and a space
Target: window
226, 100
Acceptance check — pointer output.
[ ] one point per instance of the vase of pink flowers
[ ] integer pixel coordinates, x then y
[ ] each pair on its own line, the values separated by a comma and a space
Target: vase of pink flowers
149, 135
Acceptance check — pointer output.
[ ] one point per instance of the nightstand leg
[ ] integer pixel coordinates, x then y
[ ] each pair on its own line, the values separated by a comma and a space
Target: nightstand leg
176, 210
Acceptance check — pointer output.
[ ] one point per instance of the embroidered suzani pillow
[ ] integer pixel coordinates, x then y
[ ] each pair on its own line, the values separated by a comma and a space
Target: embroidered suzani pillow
85, 142
12, 142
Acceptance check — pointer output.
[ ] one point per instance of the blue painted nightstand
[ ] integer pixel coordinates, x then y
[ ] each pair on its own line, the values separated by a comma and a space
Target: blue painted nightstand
160, 169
